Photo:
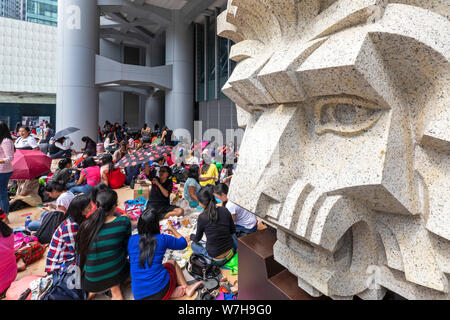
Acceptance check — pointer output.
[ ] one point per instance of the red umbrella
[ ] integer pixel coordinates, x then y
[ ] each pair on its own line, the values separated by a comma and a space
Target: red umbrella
29, 164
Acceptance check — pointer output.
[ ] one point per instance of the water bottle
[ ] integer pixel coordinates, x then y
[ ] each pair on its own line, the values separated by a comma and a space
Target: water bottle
27, 222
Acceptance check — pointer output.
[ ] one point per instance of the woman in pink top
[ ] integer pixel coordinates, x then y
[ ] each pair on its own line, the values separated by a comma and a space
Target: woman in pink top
6, 168
8, 265
89, 177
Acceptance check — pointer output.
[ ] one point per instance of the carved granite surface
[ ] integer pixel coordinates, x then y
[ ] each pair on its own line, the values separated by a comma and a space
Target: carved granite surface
346, 106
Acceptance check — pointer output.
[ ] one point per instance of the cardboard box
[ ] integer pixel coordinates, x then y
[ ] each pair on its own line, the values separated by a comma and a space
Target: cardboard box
141, 189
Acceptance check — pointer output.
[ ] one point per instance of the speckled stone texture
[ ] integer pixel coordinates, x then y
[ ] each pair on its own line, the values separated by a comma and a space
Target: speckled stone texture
346, 106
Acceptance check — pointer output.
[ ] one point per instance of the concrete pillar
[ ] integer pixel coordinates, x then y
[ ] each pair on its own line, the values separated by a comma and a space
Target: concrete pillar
78, 44
154, 104
154, 110
179, 53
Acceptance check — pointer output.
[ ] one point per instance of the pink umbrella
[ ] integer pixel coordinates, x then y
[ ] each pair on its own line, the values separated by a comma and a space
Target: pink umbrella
29, 164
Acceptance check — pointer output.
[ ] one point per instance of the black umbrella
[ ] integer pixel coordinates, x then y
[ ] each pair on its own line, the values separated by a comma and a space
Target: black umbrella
131, 160
144, 155
65, 132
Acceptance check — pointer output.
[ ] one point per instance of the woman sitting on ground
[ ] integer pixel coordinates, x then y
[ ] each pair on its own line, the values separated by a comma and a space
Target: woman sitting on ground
146, 131
217, 224
245, 220
62, 245
90, 145
55, 190
89, 177
209, 173
150, 278
27, 195
191, 186
8, 264
159, 198
61, 148
110, 143
110, 176
64, 172
101, 243
121, 152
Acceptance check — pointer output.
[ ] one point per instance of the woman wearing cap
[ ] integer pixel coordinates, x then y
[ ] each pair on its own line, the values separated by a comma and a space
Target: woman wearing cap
25, 140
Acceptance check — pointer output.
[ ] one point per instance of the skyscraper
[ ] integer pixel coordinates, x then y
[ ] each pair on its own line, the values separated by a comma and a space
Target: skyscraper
42, 11
15, 9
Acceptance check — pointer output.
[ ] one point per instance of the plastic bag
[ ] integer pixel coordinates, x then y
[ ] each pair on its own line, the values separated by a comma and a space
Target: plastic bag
233, 265
135, 207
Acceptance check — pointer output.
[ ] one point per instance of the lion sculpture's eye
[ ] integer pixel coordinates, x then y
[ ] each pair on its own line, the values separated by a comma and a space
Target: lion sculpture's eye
345, 116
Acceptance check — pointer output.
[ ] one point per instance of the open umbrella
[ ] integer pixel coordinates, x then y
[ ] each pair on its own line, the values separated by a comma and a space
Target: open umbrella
151, 153
156, 152
29, 164
131, 160
65, 132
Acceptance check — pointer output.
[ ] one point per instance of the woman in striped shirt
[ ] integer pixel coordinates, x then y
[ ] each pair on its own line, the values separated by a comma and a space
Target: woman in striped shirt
62, 246
102, 245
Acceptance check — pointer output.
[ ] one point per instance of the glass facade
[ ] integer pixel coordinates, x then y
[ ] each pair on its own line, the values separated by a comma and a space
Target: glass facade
212, 62
15, 9
43, 11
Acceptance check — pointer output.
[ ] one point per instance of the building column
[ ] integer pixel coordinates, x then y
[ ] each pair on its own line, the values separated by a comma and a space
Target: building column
180, 53
154, 109
154, 103
76, 93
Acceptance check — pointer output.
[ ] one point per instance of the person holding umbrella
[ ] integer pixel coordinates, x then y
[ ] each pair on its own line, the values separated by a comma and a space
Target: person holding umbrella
6, 168
25, 141
61, 148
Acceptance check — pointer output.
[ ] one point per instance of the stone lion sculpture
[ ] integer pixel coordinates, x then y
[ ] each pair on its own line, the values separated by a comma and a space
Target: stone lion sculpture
346, 106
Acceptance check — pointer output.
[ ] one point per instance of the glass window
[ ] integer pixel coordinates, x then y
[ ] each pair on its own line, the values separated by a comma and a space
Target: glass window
223, 64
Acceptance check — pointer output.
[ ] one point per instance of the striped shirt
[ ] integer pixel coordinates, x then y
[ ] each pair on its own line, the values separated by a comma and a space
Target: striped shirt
106, 263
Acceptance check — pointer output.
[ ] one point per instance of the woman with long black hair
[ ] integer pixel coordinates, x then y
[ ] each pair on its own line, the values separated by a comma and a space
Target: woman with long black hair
89, 146
102, 245
89, 177
6, 168
217, 224
62, 245
150, 278
110, 176
192, 186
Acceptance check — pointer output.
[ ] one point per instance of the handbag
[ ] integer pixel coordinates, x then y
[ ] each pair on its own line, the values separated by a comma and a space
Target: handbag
202, 268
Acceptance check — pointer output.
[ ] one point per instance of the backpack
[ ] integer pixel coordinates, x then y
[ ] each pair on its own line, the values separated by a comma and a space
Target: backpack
116, 179
65, 285
49, 224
